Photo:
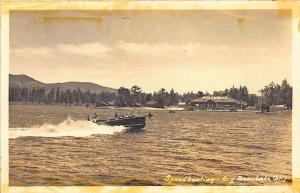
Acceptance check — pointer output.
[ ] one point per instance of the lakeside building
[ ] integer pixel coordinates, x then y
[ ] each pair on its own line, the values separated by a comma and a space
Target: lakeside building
153, 104
217, 103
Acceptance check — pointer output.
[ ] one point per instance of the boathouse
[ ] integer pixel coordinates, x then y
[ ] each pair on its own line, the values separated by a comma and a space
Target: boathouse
217, 103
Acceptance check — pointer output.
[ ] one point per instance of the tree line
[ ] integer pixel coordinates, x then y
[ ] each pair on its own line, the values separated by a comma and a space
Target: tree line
271, 94
275, 94
58, 96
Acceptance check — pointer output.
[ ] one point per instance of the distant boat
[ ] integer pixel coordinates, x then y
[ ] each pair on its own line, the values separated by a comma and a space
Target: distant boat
131, 122
172, 111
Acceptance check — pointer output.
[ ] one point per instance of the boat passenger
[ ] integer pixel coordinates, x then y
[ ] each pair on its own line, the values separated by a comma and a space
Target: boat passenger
95, 117
150, 115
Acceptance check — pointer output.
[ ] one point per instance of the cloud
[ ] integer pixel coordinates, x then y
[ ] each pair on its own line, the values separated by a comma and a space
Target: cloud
135, 50
153, 56
196, 54
156, 55
187, 49
88, 49
30, 52
159, 48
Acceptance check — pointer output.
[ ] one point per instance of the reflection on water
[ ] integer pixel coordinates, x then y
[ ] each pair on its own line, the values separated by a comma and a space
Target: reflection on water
196, 144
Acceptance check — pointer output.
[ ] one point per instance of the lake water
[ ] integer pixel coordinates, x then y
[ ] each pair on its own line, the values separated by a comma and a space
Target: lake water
55, 145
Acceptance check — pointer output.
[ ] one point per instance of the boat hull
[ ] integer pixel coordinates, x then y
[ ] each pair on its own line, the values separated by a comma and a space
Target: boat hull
132, 123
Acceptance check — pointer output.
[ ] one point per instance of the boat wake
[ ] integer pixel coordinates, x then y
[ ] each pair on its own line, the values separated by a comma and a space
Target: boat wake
67, 128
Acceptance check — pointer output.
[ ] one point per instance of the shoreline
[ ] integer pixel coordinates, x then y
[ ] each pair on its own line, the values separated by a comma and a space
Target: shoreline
175, 109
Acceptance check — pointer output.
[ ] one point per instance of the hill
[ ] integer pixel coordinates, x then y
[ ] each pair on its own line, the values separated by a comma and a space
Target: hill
24, 81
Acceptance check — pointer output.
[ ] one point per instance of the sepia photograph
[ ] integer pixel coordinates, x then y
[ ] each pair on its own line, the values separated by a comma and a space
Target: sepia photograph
150, 98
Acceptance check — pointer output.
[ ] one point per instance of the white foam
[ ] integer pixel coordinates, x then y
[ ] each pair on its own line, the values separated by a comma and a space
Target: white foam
67, 128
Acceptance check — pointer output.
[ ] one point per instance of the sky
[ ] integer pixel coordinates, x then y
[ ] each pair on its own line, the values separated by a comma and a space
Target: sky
186, 50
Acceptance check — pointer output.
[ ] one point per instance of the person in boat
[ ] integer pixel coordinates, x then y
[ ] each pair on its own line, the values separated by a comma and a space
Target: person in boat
150, 115
95, 117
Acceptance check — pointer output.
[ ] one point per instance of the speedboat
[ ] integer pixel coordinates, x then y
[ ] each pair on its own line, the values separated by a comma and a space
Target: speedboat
131, 122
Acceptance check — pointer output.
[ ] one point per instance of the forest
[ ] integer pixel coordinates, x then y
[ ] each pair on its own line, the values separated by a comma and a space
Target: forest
271, 94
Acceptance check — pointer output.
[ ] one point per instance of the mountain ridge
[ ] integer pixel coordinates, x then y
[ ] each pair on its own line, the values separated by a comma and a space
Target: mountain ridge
25, 81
